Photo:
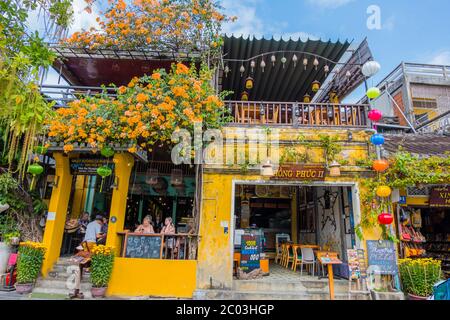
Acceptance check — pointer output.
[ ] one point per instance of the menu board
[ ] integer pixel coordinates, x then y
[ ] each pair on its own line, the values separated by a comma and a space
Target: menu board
356, 263
143, 246
250, 253
89, 167
383, 255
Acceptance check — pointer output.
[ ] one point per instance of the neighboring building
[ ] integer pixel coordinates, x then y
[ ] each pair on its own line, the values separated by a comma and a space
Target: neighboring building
416, 95
306, 198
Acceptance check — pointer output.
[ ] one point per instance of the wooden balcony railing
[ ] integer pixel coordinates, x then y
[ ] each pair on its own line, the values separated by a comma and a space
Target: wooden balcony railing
299, 114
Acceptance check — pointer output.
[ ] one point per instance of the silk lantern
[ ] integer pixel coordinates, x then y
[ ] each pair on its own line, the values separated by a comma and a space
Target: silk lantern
375, 115
249, 83
384, 191
34, 169
244, 96
373, 93
370, 68
385, 219
377, 139
380, 165
315, 86
306, 98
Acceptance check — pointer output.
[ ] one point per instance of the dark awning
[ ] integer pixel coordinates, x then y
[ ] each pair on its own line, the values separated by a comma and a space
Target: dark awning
277, 83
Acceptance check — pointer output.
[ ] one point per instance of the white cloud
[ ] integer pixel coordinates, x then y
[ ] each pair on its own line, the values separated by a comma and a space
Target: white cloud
329, 4
441, 58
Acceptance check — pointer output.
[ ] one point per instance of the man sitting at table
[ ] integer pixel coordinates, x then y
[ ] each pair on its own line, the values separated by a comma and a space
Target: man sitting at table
146, 226
94, 231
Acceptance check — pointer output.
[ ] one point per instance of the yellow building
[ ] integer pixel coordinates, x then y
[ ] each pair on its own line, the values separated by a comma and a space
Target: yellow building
303, 179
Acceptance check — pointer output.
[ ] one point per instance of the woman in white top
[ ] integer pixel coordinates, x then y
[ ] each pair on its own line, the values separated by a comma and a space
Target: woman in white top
146, 226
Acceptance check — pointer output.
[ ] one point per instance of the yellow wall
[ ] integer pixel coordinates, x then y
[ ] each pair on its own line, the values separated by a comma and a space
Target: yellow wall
79, 197
158, 278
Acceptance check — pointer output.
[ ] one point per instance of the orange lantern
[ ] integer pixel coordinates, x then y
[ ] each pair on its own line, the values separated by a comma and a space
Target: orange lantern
380, 165
384, 191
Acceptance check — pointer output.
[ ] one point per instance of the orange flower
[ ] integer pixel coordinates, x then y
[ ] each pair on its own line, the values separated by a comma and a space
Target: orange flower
141, 97
67, 148
156, 76
182, 69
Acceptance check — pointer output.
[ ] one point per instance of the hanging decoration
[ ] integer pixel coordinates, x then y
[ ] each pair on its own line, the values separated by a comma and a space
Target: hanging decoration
306, 98
40, 150
35, 170
305, 63
315, 86
283, 61
370, 68
385, 219
267, 169
244, 96
151, 177
295, 60
375, 115
377, 139
326, 69
335, 169
252, 65
176, 177
373, 93
249, 83
104, 172
380, 165
384, 191
273, 59
107, 152
242, 70
227, 71
316, 63
348, 74
263, 65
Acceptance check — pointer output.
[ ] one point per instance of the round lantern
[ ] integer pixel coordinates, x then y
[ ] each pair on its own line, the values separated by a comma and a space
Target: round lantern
244, 96
380, 165
249, 83
375, 115
315, 86
385, 218
384, 191
306, 98
373, 93
40, 150
377, 139
34, 169
104, 172
107, 152
370, 68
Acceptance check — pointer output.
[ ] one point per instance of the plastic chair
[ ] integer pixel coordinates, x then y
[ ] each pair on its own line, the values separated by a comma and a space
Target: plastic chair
307, 259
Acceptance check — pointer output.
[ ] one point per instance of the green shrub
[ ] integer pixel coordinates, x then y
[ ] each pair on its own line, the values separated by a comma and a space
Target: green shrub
420, 275
29, 263
101, 265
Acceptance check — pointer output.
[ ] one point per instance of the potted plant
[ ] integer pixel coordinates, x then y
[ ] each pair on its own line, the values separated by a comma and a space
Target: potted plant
29, 264
418, 277
102, 262
8, 230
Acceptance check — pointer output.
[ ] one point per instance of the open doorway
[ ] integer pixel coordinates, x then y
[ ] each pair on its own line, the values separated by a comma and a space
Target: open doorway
320, 218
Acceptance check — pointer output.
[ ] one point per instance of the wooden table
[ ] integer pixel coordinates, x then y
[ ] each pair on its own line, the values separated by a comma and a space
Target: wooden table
329, 259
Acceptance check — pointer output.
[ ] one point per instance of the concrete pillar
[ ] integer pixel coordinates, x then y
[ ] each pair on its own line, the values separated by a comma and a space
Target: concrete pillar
79, 197
123, 166
57, 210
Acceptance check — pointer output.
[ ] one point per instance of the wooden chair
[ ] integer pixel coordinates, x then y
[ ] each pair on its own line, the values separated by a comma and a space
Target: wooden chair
283, 253
274, 118
279, 238
289, 255
297, 257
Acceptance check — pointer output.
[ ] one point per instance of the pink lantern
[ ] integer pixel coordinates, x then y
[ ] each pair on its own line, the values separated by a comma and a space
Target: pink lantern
385, 219
375, 115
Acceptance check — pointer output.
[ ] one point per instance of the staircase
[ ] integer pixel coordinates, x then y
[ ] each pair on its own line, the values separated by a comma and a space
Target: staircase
280, 290
59, 283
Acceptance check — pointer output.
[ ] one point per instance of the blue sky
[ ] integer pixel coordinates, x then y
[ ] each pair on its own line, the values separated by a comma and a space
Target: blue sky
412, 31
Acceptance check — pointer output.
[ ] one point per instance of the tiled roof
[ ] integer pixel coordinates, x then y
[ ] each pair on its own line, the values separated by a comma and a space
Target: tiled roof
421, 144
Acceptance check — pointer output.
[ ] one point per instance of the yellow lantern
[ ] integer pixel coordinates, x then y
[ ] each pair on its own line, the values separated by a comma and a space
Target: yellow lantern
244, 96
306, 98
249, 83
315, 86
384, 191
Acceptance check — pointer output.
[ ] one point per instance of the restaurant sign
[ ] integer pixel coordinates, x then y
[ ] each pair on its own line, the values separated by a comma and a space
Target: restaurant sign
300, 172
88, 167
440, 197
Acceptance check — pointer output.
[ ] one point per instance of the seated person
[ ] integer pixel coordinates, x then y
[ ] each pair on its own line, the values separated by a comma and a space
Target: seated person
94, 231
103, 231
146, 226
168, 228
83, 222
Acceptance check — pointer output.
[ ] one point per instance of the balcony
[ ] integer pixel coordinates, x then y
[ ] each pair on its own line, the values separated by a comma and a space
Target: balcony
299, 114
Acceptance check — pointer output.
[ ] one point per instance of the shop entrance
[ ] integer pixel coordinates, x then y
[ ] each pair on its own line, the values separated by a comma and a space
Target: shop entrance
316, 218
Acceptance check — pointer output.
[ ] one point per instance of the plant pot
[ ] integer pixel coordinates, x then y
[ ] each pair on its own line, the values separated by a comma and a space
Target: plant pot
5, 251
414, 297
98, 292
24, 288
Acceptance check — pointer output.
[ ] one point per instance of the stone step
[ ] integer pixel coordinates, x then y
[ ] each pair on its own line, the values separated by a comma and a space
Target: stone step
260, 295
288, 286
64, 276
59, 284
57, 291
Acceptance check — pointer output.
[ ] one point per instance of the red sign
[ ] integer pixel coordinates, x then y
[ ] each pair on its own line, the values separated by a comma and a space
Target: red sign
440, 197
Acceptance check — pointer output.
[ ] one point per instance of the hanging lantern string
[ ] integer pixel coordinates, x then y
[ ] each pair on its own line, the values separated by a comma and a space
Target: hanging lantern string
272, 53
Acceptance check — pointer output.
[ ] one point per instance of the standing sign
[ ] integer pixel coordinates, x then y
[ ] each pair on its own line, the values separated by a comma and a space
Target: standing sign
440, 197
383, 255
250, 253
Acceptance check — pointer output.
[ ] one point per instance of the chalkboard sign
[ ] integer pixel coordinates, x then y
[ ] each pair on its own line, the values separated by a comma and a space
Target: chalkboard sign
143, 246
383, 255
81, 166
250, 253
